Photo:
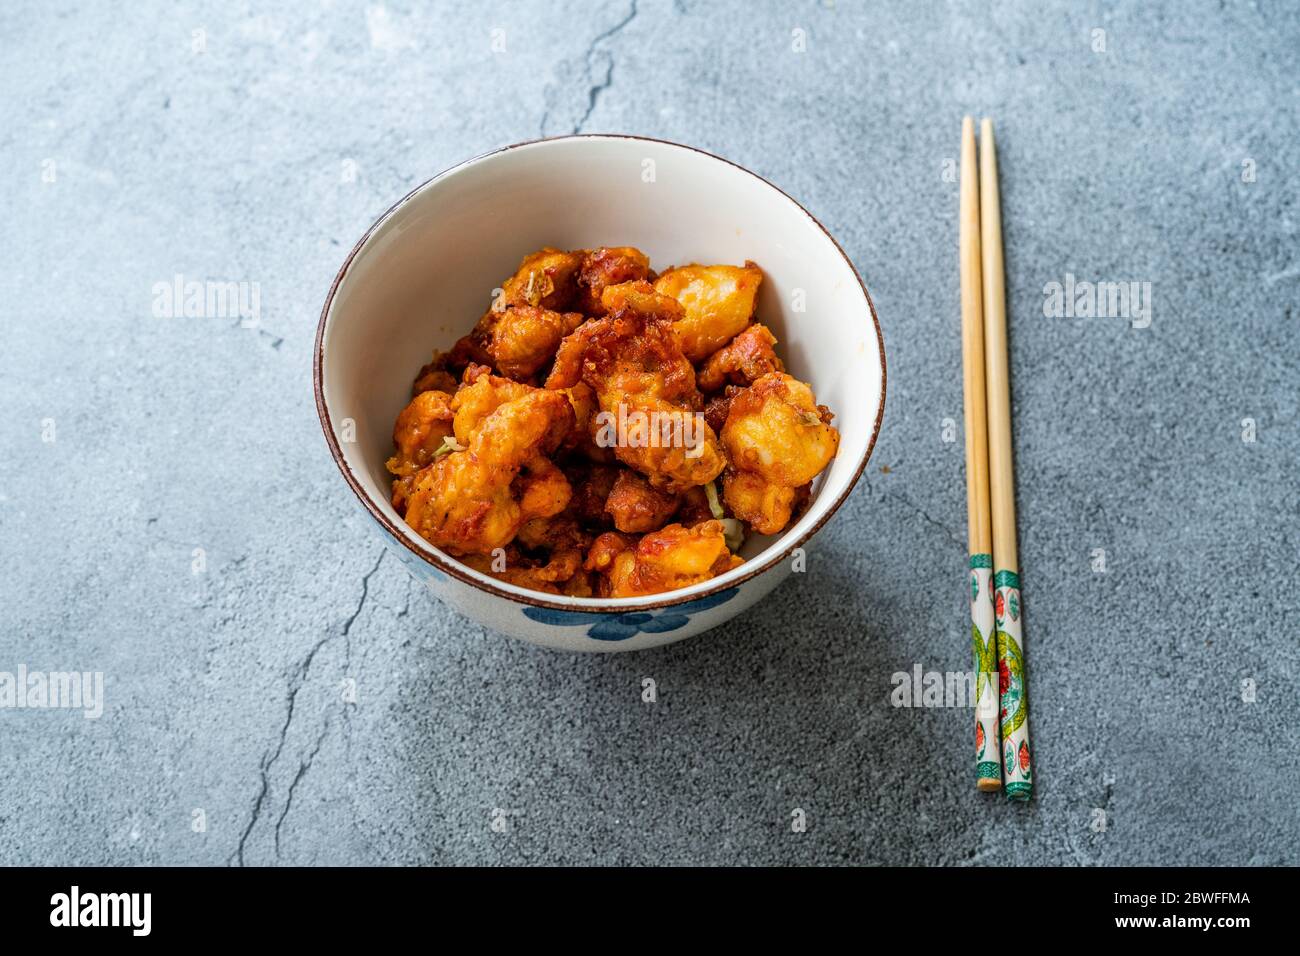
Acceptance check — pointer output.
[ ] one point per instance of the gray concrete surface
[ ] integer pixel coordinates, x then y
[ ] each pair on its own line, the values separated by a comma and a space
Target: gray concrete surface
136, 148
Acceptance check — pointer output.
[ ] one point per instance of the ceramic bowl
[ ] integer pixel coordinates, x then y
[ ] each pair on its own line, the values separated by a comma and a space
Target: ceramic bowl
423, 274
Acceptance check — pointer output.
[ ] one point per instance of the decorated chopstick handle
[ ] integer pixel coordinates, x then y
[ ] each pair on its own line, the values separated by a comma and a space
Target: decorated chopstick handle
1017, 770
988, 769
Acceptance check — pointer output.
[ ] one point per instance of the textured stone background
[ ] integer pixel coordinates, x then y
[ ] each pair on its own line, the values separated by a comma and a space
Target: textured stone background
175, 434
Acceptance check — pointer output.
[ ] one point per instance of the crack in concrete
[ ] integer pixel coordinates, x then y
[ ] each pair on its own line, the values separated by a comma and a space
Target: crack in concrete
593, 94
365, 593
922, 513
303, 767
300, 677
596, 86
264, 770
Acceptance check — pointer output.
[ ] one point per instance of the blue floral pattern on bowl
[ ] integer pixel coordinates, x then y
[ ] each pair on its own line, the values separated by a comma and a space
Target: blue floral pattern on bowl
620, 627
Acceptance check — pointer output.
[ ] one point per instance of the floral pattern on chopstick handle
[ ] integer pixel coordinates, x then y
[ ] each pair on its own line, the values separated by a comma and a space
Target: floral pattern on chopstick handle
984, 650
1017, 770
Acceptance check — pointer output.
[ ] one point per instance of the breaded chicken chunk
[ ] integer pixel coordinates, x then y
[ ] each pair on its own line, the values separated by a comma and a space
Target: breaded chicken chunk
718, 302
585, 429
473, 501
742, 361
645, 387
777, 439
481, 393
592, 482
673, 557
419, 433
554, 574
518, 335
602, 268
695, 507
434, 377
547, 278
637, 506
518, 342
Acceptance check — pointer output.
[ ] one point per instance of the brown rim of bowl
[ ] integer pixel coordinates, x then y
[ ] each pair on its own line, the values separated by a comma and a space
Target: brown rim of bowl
538, 599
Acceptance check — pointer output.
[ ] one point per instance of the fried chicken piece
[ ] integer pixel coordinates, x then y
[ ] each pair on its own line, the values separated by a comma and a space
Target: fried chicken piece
718, 407
637, 506
603, 268
673, 557
518, 342
542, 488
742, 361
581, 584
644, 386
695, 507
632, 349
481, 393
551, 575
673, 447
776, 428
718, 302
418, 434
472, 349
518, 335
583, 399
473, 501
607, 547
434, 377
583, 437
547, 278
766, 506
563, 541
592, 482
560, 532
526, 337
777, 439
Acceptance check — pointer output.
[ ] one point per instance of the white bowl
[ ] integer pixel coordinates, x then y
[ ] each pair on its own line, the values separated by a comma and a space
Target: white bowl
423, 274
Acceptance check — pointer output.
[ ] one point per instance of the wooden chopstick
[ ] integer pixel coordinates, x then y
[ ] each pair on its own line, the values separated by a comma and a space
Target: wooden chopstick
988, 769
1017, 773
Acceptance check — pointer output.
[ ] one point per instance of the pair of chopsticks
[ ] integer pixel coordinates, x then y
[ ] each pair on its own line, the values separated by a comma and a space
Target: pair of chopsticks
1001, 745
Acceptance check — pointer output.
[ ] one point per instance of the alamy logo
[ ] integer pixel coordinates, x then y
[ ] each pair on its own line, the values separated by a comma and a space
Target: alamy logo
655, 429
924, 688
39, 690
192, 299
1103, 300
102, 909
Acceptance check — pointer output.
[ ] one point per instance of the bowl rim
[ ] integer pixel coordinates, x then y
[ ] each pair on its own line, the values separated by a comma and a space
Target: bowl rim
760, 563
